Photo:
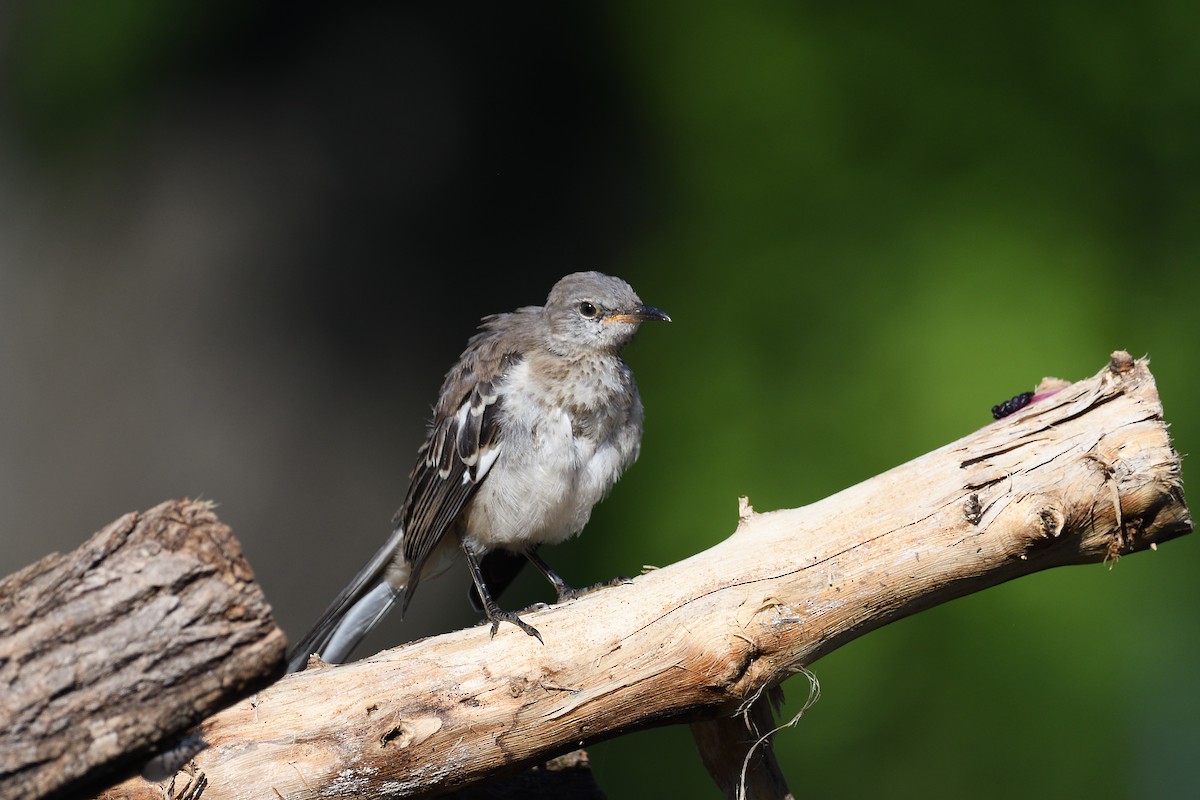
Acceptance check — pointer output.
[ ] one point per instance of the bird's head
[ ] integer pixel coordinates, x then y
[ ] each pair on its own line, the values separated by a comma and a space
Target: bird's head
593, 312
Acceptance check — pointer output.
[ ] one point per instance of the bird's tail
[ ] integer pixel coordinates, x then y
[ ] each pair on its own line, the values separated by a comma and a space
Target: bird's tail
351, 616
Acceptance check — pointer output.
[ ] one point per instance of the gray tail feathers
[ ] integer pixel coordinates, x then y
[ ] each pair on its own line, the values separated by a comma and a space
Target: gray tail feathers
352, 615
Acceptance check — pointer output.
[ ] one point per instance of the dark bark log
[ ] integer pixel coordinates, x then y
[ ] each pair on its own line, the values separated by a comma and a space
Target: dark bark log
117, 649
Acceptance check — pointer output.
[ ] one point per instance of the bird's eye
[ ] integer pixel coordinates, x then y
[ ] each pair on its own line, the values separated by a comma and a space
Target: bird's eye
588, 310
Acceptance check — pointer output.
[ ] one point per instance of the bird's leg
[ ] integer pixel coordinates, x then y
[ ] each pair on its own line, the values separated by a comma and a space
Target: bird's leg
565, 592
494, 613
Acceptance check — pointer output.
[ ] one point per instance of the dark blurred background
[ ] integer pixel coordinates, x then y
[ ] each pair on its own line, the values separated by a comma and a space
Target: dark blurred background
240, 243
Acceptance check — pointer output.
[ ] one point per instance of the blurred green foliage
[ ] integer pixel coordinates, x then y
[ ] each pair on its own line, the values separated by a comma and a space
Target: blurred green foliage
876, 221
886, 219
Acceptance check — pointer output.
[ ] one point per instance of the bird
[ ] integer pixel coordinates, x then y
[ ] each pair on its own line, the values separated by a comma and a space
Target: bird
533, 425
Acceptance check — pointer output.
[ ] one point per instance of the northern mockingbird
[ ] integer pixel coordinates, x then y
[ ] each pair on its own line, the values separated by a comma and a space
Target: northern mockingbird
533, 426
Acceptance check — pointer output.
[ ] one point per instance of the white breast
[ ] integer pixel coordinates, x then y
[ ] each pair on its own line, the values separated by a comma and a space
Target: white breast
548, 475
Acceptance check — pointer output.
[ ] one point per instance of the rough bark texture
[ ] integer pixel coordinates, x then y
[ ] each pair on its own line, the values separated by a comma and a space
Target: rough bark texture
737, 751
1083, 475
113, 649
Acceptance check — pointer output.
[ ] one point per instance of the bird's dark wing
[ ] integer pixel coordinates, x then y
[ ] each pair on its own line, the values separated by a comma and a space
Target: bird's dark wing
450, 465
463, 444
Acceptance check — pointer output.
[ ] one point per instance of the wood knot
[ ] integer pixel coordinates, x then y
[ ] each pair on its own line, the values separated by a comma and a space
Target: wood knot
410, 732
1040, 522
1120, 362
973, 509
1053, 521
1049, 524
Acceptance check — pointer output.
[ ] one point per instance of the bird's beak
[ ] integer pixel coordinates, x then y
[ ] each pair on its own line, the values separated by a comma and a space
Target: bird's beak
640, 314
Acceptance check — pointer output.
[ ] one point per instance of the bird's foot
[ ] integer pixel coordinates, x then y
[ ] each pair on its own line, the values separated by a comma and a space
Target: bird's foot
571, 594
497, 615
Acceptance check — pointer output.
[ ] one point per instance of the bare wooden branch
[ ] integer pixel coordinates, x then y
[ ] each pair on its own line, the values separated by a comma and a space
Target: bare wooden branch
737, 752
124, 644
1080, 476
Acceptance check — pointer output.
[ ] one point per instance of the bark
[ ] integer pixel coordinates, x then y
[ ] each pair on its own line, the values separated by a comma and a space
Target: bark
736, 750
1083, 475
115, 650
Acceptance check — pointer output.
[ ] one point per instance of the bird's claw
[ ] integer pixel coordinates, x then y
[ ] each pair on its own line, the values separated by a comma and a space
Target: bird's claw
572, 594
499, 615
